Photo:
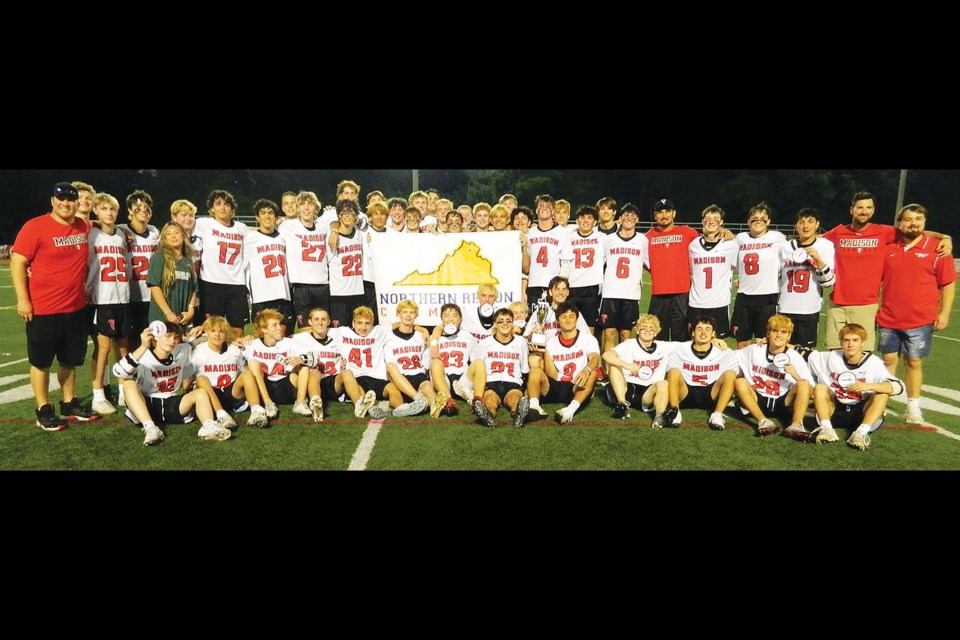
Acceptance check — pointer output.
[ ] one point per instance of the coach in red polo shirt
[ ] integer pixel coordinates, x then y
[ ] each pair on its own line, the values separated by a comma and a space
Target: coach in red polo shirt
52, 301
918, 291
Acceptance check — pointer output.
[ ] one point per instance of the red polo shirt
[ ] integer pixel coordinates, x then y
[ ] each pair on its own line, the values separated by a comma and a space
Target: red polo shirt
669, 263
58, 263
859, 262
911, 283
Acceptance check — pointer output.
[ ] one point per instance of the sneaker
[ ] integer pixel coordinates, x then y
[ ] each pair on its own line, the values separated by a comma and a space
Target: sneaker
540, 410
913, 417
677, 421
766, 427
563, 416
798, 433
272, 410
520, 415
301, 409
646, 408
451, 408
659, 421
109, 394
363, 404
438, 403
316, 408
152, 435
258, 419
621, 411
716, 421
73, 411
670, 416
213, 430
48, 420
417, 406
103, 407
483, 414
859, 440
826, 434
458, 389
380, 410
227, 422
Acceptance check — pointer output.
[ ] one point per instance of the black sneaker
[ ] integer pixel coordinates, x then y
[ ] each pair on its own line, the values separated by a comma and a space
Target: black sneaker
73, 411
110, 394
483, 415
669, 415
520, 415
48, 420
621, 411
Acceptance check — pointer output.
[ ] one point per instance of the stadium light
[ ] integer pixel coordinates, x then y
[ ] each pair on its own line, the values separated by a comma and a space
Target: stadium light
900, 192
416, 180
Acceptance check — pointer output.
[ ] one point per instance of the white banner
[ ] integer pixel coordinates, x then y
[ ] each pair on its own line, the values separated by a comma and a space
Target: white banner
433, 270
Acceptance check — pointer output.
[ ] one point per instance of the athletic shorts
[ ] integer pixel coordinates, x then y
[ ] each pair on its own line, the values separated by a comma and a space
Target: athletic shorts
58, 334
587, 300
328, 388
698, 397
558, 391
804, 329
501, 388
368, 383
617, 313
306, 297
164, 410
281, 391
720, 315
341, 309
633, 396
416, 380
111, 320
227, 300
228, 402
283, 306
750, 315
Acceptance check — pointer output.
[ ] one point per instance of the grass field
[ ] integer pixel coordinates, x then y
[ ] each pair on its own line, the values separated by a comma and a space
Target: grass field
592, 442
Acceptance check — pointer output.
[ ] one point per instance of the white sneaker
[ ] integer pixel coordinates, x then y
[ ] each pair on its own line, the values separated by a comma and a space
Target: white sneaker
363, 405
910, 417
316, 408
438, 403
416, 407
302, 409
152, 435
272, 410
716, 421
458, 389
540, 410
859, 440
563, 416
103, 407
826, 434
380, 410
213, 430
258, 418
227, 422
767, 427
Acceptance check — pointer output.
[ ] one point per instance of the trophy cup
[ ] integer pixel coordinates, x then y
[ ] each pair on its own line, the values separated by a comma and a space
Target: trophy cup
539, 310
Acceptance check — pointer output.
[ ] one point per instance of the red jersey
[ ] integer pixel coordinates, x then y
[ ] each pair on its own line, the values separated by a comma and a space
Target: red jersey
669, 264
58, 263
911, 283
859, 262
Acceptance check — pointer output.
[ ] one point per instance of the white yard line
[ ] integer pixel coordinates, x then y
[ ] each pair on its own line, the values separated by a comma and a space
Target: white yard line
362, 455
937, 429
26, 391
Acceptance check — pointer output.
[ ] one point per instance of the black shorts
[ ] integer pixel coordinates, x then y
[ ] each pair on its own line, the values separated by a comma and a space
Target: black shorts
283, 306
633, 396
328, 388
720, 315
698, 397
775, 407
58, 334
587, 300
750, 315
341, 309
228, 402
370, 300
804, 329
617, 313
164, 410
306, 297
501, 388
376, 384
847, 416
671, 310
139, 315
227, 300
281, 391
111, 320
558, 391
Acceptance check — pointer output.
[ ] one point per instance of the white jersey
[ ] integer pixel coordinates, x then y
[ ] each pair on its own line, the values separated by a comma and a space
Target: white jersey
701, 372
162, 378
571, 359
108, 273
800, 288
546, 250
222, 260
346, 265
222, 368
828, 366
139, 254
271, 359
407, 351
653, 363
766, 378
471, 322
265, 261
711, 273
759, 263
369, 239
550, 324
454, 351
364, 354
306, 252
587, 267
624, 262
504, 362
327, 351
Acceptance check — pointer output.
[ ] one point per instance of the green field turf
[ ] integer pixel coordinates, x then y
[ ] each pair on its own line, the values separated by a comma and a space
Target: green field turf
592, 442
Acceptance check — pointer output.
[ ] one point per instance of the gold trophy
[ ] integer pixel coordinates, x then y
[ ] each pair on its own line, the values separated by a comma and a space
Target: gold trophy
540, 310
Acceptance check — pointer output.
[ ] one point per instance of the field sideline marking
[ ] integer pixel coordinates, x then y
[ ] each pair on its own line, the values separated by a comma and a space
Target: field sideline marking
362, 455
937, 429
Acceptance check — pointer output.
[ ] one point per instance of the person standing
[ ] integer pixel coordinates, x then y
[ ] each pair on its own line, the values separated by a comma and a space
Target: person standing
670, 271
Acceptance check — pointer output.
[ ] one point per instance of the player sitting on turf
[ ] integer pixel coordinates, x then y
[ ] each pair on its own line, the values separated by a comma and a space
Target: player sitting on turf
496, 371
325, 379
570, 359
776, 375
853, 387
274, 364
701, 375
404, 355
638, 370
220, 369
151, 376
449, 362
362, 346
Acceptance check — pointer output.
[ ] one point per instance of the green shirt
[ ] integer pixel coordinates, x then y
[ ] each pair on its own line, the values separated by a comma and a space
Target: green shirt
180, 294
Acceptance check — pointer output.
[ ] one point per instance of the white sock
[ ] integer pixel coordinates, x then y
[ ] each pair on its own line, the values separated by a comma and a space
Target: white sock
573, 406
825, 424
211, 423
863, 429
534, 403
221, 413
148, 424
257, 407
98, 394
913, 404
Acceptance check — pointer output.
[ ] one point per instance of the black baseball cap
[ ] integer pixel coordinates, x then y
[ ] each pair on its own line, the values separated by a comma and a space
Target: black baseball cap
663, 204
65, 191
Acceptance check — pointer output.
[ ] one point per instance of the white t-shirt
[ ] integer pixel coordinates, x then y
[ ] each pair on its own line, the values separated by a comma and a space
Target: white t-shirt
571, 360
108, 273
711, 272
271, 359
704, 371
222, 260
364, 354
407, 351
547, 249
828, 366
800, 288
221, 369
369, 240
327, 351
265, 257
139, 254
504, 362
346, 265
758, 262
306, 252
625, 261
766, 378
454, 351
587, 267
653, 364
162, 378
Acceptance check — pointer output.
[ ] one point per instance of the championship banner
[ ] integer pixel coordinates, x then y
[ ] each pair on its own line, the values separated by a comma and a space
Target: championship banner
436, 269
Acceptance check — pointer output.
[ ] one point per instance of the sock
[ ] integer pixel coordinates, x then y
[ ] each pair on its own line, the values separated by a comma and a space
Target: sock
221, 413
863, 429
534, 403
913, 404
148, 424
573, 406
256, 407
826, 424
211, 423
98, 394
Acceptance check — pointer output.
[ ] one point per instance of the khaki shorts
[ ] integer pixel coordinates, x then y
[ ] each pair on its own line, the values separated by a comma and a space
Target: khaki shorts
864, 315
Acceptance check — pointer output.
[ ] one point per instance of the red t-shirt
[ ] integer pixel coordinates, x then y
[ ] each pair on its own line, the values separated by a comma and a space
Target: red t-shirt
58, 263
859, 262
669, 264
911, 284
